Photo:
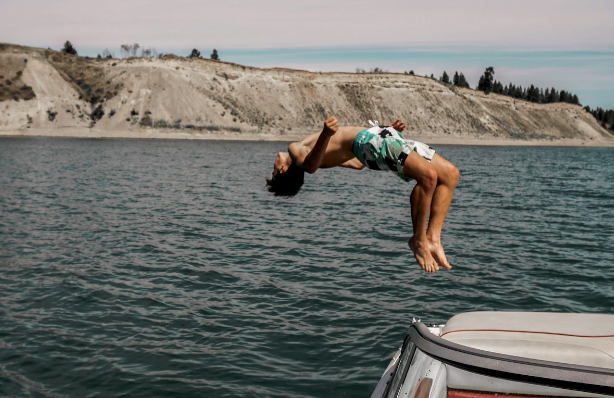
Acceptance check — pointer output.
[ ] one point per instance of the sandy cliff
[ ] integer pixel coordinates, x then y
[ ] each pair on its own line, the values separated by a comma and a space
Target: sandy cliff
44, 92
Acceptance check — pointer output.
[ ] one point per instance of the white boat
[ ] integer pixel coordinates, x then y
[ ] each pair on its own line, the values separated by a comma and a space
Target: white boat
516, 354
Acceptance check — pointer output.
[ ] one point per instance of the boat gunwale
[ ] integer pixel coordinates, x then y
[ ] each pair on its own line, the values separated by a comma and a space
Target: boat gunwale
583, 336
535, 371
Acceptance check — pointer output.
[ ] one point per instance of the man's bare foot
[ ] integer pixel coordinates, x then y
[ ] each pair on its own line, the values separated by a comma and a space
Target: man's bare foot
423, 255
438, 254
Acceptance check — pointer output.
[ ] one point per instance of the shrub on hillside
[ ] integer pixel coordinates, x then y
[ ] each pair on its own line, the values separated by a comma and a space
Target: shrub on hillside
69, 49
107, 54
97, 114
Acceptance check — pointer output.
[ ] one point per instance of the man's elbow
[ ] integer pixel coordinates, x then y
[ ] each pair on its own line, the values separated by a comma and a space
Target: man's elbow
310, 169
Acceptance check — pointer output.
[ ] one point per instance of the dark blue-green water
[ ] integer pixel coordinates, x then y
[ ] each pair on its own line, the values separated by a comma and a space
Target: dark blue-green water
164, 268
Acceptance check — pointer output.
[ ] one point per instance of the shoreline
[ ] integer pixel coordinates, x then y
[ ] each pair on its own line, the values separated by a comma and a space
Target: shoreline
228, 136
181, 98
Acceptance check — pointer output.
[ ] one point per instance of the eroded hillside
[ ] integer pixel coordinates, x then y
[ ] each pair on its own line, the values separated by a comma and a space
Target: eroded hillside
57, 92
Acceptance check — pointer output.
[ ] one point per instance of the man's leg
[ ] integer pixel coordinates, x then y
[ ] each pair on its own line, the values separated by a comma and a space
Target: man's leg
447, 179
424, 173
414, 209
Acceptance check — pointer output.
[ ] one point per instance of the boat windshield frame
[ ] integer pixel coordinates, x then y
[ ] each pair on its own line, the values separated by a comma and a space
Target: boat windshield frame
404, 363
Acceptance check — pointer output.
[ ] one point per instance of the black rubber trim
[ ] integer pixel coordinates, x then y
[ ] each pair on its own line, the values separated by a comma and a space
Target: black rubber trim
405, 370
534, 371
396, 367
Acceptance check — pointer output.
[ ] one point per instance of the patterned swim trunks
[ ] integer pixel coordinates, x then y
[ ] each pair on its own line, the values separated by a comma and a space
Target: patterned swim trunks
384, 148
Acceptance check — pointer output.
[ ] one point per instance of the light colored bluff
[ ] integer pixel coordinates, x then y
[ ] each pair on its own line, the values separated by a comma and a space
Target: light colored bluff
44, 92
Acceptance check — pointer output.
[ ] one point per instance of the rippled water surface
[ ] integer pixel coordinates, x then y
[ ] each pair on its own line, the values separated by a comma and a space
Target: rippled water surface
164, 268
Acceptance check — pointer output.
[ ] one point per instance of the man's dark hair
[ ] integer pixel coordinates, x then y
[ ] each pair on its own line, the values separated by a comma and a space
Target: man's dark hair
287, 184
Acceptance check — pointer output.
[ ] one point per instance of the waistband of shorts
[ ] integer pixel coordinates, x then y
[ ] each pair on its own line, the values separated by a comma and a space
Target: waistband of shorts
357, 145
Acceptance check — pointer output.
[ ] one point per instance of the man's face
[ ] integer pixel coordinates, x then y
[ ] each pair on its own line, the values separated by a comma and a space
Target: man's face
282, 162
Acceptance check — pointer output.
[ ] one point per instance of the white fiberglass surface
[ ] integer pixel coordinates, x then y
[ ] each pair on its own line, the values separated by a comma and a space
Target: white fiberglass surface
580, 339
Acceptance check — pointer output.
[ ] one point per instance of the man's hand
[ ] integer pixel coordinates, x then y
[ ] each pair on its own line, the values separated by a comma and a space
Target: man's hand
331, 125
398, 125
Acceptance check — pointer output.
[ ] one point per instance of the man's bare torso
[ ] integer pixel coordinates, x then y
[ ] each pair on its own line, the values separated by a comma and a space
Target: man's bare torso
339, 149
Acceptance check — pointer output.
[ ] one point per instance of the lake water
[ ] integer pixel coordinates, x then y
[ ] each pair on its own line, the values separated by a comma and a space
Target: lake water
164, 268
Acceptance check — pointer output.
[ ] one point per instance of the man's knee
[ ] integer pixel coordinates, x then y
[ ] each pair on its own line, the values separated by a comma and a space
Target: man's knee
454, 175
449, 175
429, 179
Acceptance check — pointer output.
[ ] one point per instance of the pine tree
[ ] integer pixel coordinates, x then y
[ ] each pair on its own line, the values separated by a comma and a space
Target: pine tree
487, 80
432, 77
481, 83
499, 88
455, 78
195, 54
214, 55
532, 94
411, 72
541, 96
445, 78
462, 82
69, 49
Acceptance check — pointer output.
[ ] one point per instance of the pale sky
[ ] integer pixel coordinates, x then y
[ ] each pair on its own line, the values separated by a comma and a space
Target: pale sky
240, 27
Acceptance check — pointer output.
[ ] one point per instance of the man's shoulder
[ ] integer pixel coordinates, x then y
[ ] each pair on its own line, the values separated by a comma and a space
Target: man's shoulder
295, 146
297, 151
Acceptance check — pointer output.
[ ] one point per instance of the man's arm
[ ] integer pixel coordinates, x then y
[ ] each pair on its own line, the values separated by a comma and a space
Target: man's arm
314, 158
353, 164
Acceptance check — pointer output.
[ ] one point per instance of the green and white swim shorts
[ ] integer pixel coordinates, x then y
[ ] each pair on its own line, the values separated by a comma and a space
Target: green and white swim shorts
384, 148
